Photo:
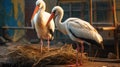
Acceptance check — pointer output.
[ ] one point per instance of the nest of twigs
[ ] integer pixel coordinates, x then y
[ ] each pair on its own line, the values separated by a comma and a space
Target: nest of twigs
25, 55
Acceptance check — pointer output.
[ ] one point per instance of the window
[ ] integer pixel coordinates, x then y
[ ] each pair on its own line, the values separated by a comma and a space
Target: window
102, 12
73, 9
77, 9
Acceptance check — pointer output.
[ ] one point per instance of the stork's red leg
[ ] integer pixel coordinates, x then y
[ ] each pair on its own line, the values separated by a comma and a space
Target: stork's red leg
48, 44
41, 45
77, 49
82, 50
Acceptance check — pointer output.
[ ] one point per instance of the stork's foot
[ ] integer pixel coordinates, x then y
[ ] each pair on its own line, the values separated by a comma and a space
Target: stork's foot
41, 46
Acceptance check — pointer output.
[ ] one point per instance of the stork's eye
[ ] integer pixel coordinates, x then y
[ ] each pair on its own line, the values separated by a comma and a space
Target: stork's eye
38, 4
54, 11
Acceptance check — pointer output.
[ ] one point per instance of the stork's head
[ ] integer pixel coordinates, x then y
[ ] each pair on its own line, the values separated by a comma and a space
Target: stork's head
56, 11
41, 4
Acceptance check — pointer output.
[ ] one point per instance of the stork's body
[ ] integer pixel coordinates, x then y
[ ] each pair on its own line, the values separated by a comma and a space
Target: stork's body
78, 30
39, 21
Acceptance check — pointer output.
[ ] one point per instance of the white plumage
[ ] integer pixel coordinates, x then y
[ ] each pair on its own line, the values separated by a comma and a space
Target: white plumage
78, 30
82, 30
39, 20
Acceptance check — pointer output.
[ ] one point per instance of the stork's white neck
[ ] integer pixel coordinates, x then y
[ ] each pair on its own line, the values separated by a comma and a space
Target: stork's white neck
41, 10
43, 6
59, 24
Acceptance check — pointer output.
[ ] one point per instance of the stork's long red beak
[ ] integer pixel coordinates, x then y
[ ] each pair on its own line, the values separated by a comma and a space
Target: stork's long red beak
35, 11
50, 18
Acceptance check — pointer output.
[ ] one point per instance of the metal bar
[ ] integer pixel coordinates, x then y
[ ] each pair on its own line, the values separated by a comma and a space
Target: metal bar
24, 28
114, 13
57, 3
91, 17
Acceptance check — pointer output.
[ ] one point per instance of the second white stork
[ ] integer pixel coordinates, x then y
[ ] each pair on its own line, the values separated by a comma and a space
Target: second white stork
39, 21
78, 30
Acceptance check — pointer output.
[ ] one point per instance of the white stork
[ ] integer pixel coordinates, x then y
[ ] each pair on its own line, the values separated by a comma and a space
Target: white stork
78, 30
39, 21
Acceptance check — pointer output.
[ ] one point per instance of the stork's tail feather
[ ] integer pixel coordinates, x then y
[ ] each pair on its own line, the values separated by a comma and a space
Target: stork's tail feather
99, 45
102, 46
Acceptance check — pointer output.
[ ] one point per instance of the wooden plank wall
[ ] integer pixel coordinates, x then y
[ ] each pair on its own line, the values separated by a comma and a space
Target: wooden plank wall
12, 14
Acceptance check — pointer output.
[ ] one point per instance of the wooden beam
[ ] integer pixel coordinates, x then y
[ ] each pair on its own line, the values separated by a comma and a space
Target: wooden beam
72, 1
105, 28
23, 28
104, 60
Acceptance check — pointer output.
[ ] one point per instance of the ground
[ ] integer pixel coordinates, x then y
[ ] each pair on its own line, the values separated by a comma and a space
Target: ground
4, 51
93, 64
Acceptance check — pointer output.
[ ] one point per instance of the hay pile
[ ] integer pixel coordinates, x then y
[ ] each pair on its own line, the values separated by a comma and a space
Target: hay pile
24, 55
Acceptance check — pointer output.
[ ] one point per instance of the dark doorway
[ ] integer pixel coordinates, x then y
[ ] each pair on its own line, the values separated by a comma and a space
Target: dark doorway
29, 8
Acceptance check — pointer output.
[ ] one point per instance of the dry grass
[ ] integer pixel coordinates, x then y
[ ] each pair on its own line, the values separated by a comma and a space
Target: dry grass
30, 54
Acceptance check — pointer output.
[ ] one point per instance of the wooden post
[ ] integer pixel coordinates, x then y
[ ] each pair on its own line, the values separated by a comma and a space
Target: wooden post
91, 17
116, 31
